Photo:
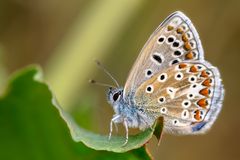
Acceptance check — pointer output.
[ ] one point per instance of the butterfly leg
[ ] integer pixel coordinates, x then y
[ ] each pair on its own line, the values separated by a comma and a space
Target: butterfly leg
114, 119
110, 133
126, 128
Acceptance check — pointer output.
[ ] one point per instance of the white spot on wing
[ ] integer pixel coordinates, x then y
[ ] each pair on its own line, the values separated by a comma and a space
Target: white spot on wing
163, 110
162, 77
178, 43
189, 35
170, 37
193, 44
190, 96
171, 91
175, 61
185, 114
148, 73
186, 103
157, 54
161, 39
179, 76
149, 89
179, 53
209, 73
192, 79
176, 21
175, 122
184, 27
161, 99
200, 67
195, 53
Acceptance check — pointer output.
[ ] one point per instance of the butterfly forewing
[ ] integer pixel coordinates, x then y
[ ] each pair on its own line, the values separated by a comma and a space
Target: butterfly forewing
173, 41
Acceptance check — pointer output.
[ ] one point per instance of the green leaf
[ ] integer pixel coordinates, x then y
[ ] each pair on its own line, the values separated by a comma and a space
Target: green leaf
31, 127
158, 130
101, 142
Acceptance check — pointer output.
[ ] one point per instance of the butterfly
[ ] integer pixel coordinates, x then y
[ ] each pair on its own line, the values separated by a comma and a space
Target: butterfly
170, 79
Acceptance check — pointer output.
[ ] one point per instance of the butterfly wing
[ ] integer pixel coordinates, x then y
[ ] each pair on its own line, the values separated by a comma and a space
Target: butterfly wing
173, 41
171, 79
188, 95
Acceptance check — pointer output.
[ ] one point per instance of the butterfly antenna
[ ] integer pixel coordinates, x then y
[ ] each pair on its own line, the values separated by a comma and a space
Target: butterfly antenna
106, 71
101, 84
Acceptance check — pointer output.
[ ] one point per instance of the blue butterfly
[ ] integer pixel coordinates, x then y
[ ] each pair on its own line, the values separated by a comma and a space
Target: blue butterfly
169, 79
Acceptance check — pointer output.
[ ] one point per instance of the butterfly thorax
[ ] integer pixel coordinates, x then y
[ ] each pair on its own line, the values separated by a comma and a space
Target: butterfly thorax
125, 110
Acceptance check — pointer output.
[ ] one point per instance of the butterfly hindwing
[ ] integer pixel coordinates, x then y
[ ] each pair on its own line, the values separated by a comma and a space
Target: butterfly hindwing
173, 41
185, 94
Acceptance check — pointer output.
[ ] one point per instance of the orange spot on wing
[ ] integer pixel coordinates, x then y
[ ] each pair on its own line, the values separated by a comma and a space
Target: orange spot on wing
202, 103
197, 115
204, 74
187, 46
179, 31
204, 92
184, 38
169, 28
207, 83
189, 55
182, 65
193, 69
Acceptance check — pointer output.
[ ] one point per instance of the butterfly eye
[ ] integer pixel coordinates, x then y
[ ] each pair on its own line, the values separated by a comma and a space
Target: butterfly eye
116, 96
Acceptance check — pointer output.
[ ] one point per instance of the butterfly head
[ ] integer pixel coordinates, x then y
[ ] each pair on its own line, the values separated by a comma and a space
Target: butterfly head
114, 95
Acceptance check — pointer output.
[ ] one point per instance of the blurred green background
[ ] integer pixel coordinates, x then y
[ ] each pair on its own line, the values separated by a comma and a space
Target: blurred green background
65, 37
